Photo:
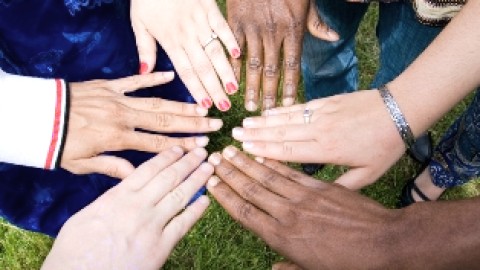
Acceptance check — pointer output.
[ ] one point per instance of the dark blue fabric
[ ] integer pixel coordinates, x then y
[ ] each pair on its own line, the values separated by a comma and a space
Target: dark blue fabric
76, 40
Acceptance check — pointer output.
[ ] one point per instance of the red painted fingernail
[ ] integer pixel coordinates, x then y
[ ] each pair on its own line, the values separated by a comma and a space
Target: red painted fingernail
235, 53
143, 68
231, 88
224, 105
207, 103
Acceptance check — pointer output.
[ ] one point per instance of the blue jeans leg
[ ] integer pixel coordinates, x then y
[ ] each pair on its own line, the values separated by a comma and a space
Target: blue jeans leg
330, 68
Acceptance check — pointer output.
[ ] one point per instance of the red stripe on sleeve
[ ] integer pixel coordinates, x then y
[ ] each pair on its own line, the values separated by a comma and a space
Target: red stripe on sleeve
56, 125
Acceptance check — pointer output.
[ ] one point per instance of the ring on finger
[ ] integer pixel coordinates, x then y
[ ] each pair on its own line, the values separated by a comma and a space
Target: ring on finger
307, 115
213, 36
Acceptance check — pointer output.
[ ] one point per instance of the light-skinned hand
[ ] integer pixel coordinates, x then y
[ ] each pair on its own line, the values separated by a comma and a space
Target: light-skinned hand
314, 224
183, 28
353, 129
102, 119
265, 28
136, 224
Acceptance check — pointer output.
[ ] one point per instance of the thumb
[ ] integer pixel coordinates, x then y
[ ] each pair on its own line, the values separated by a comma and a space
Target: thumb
109, 165
356, 178
147, 48
317, 27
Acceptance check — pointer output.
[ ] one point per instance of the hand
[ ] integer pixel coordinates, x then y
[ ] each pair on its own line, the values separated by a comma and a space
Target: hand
314, 224
266, 27
136, 224
183, 28
354, 130
102, 119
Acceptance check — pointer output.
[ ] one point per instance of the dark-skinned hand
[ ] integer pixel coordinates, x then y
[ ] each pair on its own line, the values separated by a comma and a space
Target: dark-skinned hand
314, 224
265, 27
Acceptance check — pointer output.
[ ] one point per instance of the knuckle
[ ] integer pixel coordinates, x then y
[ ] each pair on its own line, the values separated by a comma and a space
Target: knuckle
255, 64
280, 133
250, 190
154, 103
287, 149
187, 72
292, 63
271, 71
244, 211
163, 120
159, 142
178, 196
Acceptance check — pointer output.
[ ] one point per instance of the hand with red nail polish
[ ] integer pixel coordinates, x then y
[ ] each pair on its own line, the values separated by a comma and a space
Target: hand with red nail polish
265, 27
194, 34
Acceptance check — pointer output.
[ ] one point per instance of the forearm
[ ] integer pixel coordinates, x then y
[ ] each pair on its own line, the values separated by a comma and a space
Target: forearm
438, 235
32, 116
444, 74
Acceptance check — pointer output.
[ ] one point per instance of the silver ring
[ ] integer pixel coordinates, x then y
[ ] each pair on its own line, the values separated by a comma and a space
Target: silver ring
307, 116
213, 36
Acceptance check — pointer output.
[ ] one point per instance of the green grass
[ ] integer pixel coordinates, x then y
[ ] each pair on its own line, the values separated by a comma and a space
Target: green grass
217, 242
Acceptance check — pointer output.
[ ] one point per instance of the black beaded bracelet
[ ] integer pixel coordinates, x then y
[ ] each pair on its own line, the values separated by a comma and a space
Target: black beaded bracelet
397, 117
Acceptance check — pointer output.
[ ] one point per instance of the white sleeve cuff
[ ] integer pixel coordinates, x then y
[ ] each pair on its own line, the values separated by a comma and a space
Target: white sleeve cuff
33, 114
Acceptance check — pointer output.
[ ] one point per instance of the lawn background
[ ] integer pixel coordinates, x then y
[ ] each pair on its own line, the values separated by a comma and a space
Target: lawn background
217, 242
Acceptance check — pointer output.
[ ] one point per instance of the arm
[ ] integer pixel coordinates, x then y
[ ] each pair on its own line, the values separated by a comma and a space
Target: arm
325, 226
355, 129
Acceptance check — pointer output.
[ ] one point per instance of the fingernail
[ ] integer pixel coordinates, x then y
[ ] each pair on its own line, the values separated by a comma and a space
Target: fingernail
213, 181
215, 124
177, 149
237, 132
207, 103
224, 105
206, 167
201, 152
235, 53
230, 152
143, 68
247, 145
248, 122
231, 88
215, 159
288, 101
201, 141
260, 160
168, 75
201, 111
204, 199
251, 106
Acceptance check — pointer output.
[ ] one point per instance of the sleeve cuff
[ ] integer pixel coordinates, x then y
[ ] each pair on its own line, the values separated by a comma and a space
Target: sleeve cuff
33, 115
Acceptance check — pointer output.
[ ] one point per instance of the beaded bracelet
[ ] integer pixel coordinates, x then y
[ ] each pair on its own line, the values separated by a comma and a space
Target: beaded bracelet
397, 117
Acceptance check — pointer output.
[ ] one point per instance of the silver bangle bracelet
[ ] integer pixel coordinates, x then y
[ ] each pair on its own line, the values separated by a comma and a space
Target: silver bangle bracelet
397, 117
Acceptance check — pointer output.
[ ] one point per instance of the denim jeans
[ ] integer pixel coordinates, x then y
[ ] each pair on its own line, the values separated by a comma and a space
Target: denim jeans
332, 68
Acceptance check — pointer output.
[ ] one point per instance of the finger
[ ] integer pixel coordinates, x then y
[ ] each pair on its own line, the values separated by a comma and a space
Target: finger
146, 46
290, 173
132, 83
206, 73
241, 210
220, 26
189, 77
271, 72
136, 140
216, 54
169, 178
166, 122
149, 169
291, 118
181, 224
268, 178
283, 133
301, 152
109, 165
317, 27
237, 62
356, 178
292, 50
254, 65
178, 198
163, 105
